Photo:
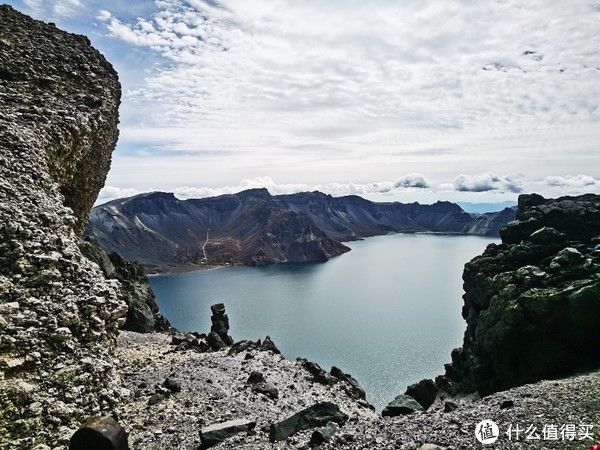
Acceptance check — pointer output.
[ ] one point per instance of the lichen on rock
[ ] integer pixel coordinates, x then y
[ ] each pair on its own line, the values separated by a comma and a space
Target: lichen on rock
59, 315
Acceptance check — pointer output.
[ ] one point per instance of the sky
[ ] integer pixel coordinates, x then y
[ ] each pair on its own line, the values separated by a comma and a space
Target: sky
409, 101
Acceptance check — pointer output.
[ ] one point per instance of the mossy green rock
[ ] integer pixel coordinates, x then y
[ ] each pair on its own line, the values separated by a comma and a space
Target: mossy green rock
532, 303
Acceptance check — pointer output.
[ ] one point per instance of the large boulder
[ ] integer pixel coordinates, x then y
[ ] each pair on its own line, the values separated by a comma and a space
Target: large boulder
217, 433
424, 392
402, 405
532, 303
59, 314
317, 415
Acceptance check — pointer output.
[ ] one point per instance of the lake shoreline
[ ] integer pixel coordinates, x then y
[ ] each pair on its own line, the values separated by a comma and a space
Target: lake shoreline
191, 268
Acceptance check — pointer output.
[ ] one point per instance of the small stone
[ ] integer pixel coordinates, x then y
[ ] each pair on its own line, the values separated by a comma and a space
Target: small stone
450, 406
255, 377
172, 385
507, 404
267, 389
155, 399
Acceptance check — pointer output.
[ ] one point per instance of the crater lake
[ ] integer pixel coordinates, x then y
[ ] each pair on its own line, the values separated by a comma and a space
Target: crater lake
388, 312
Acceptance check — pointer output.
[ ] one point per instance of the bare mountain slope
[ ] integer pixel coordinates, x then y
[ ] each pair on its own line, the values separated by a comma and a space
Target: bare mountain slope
253, 227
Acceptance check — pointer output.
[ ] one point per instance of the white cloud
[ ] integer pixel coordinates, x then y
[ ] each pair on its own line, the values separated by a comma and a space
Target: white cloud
486, 182
66, 8
349, 90
53, 8
414, 180
301, 71
407, 183
104, 15
577, 181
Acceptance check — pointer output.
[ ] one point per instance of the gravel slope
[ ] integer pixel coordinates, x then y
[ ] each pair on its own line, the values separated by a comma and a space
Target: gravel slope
213, 390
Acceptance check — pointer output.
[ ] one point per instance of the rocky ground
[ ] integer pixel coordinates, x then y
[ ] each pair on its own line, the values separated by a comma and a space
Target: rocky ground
210, 388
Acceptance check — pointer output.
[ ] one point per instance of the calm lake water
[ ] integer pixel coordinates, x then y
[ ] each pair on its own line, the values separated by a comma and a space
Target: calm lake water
388, 312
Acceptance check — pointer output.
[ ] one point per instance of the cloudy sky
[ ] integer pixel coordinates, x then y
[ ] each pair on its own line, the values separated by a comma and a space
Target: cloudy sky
411, 100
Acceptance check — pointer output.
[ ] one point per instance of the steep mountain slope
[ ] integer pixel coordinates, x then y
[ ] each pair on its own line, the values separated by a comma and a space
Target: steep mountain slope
253, 227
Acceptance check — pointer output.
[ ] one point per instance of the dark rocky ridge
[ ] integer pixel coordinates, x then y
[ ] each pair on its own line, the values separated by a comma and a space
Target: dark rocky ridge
59, 315
255, 228
532, 303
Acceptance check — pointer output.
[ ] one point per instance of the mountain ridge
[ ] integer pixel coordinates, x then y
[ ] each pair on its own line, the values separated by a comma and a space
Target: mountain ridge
254, 227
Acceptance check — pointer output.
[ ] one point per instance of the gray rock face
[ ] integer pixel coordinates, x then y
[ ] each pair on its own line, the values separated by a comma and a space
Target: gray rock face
142, 311
316, 415
59, 315
256, 228
532, 303
401, 406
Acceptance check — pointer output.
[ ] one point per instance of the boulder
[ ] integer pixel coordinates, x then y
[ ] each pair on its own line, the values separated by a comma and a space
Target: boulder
323, 435
402, 405
266, 389
424, 392
269, 345
255, 377
217, 433
318, 374
215, 342
548, 235
314, 416
450, 406
100, 433
352, 387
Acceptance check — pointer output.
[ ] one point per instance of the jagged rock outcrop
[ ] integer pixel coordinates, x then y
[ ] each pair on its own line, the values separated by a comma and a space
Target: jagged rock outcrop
59, 315
219, 338
254, 227
142, 310
532, 303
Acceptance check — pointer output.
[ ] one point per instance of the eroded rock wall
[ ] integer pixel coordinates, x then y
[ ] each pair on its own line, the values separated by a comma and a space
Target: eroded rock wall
59, 315
532, 303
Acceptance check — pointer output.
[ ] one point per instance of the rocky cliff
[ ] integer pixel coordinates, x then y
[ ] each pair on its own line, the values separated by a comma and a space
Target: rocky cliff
532, 303
59, 315
254, 227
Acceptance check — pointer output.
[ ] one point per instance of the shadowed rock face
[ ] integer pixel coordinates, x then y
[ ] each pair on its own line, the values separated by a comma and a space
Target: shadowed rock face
59, 315
532, 303
256, 228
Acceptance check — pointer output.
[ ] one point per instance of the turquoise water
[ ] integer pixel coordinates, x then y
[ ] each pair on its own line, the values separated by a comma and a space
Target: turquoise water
388, 312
